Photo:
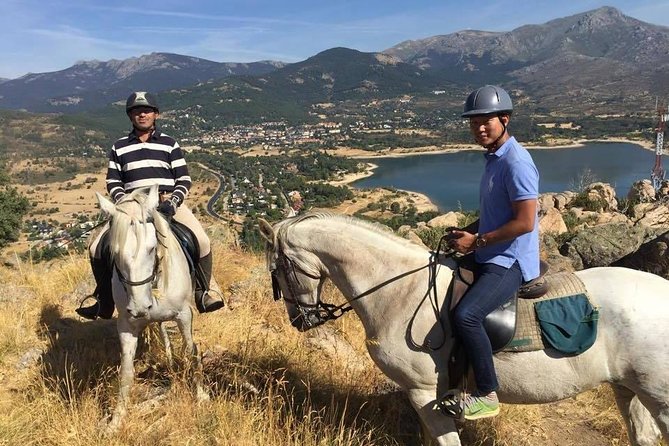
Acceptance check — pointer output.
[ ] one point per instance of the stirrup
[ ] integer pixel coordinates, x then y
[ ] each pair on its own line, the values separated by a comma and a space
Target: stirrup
452, 404
81, 311
213, 304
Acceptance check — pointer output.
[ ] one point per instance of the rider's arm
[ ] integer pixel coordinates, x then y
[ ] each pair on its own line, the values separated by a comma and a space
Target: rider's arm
114, 179
181, 175
524, 216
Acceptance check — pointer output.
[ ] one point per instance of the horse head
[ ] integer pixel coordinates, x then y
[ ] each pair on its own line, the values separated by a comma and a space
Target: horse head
297, 275
134, 245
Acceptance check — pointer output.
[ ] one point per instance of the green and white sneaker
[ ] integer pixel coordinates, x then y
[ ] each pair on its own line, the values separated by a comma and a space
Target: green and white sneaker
481, 406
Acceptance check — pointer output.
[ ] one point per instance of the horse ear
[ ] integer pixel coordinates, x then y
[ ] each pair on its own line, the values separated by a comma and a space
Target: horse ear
267, 232
105, 205
153, 197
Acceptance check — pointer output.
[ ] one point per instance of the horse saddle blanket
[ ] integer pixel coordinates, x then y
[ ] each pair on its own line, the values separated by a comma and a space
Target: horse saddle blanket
563, 319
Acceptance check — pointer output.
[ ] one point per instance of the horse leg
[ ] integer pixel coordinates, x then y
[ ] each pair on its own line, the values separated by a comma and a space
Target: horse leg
185, 323
440, 427
128, 338
641, 428
168, 345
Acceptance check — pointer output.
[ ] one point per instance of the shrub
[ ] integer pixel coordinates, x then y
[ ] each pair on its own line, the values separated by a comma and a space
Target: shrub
431, 236
589, 204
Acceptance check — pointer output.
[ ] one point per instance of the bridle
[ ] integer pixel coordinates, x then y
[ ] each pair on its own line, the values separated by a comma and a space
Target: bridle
124, 280
314, 315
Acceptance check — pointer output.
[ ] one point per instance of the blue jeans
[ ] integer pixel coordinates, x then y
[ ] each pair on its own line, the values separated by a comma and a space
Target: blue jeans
494, 286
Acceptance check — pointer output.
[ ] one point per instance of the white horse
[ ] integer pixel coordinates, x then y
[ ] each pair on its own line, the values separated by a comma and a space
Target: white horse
144, 251
385, 279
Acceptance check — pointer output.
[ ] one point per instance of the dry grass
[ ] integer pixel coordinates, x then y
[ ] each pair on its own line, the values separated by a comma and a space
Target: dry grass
270, 385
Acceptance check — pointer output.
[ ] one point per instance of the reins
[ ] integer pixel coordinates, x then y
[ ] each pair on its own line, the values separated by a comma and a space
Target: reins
324, 311
433, 295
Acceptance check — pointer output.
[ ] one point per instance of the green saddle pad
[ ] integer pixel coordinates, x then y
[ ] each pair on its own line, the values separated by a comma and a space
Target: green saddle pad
568, 324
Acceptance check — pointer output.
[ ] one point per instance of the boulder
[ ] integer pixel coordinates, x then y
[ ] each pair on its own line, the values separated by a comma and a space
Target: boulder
563, 199
546, 202
611, 217
403, 229
641, 192
602, 193
550, 254
655, 216
639, 210
449, 219
552, 222
603, 245
413, 237
652, 256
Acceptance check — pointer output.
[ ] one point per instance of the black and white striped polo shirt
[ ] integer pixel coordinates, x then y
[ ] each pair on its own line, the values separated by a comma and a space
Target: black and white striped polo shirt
159, 160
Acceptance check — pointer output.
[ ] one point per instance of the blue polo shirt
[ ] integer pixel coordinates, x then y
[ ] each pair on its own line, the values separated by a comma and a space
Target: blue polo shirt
510, 175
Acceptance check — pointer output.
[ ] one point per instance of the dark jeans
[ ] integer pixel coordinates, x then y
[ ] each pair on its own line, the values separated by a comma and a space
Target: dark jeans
494, 286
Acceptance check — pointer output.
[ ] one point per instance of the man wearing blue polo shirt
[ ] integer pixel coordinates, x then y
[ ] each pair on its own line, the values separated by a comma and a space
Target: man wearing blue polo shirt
505, 239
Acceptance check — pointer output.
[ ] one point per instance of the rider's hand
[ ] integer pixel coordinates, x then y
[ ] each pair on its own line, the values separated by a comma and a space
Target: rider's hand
461, 241
167, 208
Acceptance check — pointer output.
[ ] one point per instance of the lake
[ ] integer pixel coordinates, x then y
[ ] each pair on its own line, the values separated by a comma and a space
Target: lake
451, 180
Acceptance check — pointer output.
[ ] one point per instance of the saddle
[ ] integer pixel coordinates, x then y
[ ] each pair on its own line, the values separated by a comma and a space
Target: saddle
501, 323
188, 243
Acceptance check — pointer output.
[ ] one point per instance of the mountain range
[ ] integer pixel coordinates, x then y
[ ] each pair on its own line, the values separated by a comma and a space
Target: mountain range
94, 84
596, 62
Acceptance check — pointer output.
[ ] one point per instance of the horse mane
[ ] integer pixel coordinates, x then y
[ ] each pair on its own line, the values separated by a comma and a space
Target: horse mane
130, 214
376, 228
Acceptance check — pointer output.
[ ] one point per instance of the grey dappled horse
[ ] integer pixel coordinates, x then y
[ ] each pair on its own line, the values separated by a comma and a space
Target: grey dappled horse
146, 253
385, 280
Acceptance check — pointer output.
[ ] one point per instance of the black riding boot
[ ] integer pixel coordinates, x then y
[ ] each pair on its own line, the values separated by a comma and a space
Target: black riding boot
104, 307
203, 300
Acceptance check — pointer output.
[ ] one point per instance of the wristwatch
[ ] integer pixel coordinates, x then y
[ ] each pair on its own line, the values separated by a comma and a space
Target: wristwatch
481, 241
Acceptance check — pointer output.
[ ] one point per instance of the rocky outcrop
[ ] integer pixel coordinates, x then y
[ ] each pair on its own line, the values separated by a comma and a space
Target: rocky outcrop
652, 215
602, 245
586, 229
448, 219
652, 256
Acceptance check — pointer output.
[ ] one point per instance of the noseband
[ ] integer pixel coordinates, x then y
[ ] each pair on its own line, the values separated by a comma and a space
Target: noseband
312, 315
149, 279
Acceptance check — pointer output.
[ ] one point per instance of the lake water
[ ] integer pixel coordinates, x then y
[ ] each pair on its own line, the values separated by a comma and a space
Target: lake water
451, 180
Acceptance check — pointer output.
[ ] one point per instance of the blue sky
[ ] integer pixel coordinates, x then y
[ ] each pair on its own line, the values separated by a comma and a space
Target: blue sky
42, 36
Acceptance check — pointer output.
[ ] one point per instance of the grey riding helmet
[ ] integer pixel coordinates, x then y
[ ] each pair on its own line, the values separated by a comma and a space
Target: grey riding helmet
141, 99
488, 100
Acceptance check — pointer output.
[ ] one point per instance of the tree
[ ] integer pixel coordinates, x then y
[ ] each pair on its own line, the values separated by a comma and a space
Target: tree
13, 206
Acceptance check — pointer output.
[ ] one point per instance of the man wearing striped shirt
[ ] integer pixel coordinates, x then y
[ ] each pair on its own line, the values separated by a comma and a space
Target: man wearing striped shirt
143, 158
